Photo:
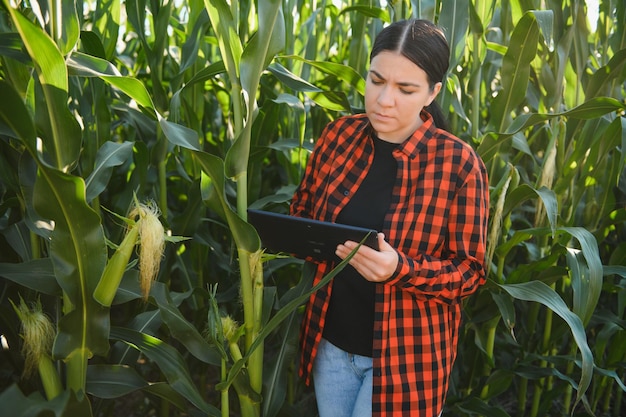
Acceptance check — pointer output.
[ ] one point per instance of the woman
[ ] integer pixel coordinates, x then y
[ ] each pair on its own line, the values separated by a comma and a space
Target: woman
381, 338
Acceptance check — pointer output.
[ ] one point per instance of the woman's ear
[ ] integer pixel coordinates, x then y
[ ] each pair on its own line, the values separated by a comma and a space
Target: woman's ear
434, 93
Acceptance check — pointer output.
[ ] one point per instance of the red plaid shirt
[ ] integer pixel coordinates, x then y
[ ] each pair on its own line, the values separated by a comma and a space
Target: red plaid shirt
438, 223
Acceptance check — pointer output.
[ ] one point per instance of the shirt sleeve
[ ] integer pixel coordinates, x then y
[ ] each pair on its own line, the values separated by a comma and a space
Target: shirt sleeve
301, 200
308, 192
460, 270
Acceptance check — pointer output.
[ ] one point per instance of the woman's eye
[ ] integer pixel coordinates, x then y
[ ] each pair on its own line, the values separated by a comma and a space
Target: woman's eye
406, 92
376, 82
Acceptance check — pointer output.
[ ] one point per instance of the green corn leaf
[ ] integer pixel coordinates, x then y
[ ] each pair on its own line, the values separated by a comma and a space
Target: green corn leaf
91, 66
481, 12
619, 125
283, 314
258, 53
85, 65
549, 200
498, 383
268, 41
331, 100
525, 192
613, 375
136, 13
78, 239
36, 274
170, 362
455, 25
290, 79
16, 116
518, 237
506, 308
67, 404
78, 253
91, 44
594, 108
244, 234
181, 329
587, 272
64, 141
106, 24
201, 76
599, 83
194, 41
369, 11
476, 406
515, 70
134, 89
151, 20
11, 46
180, 135
109, 156
129, 288
226, 31
545, 20
341, 71
77, 246
114, 381
65, 21
276, 374
539, 292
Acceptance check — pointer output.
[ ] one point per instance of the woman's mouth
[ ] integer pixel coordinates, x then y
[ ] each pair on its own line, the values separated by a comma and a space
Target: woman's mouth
382, 117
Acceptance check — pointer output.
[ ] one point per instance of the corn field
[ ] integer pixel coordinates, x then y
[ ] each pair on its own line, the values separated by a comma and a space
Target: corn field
135, 134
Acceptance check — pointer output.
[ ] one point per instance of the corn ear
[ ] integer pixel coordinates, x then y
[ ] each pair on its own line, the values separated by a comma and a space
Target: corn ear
152, 244
232, 330
232, 333
49, 377
114, 270
38, 334
214, 332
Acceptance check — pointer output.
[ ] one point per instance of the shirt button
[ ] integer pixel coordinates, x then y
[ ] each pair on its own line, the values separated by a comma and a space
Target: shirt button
346, 193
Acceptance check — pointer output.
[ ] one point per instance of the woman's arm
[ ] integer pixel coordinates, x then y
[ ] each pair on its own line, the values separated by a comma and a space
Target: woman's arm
429, 277
302, 200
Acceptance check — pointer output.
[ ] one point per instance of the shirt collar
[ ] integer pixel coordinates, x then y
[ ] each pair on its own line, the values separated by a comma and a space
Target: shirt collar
414, 144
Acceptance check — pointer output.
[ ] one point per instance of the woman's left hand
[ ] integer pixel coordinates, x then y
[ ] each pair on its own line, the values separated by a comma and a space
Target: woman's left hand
374, 265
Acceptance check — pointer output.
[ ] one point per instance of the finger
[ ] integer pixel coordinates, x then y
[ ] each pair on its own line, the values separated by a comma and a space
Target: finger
383, 245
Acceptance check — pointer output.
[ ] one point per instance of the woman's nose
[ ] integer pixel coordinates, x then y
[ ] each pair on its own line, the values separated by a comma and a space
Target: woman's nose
385, 96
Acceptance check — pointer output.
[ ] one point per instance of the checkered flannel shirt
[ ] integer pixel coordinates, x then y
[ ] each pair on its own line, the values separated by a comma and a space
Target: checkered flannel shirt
437, 222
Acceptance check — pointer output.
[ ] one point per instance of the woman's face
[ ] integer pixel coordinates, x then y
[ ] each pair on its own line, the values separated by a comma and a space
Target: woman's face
396, 92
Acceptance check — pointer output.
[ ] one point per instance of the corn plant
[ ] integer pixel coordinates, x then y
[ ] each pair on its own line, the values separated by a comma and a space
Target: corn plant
552, 137
208, 108
57, 118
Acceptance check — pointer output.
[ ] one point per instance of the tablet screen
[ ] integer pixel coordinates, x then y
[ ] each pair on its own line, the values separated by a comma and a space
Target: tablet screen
303, 237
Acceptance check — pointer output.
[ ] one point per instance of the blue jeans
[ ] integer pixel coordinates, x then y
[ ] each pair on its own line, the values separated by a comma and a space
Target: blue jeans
343, 382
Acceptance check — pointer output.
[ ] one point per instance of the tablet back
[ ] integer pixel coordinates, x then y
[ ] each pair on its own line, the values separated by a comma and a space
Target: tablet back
304, 238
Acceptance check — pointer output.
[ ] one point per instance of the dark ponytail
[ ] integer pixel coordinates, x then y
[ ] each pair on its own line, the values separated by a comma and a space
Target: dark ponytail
435, 110
424, 44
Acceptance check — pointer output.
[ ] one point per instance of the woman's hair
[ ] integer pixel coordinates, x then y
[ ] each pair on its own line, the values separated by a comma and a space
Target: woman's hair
424, 44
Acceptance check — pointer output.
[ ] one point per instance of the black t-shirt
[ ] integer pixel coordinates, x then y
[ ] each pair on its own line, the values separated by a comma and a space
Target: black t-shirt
350, 316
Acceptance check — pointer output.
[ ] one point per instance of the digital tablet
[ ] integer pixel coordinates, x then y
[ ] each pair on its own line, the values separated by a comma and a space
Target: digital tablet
304, 238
